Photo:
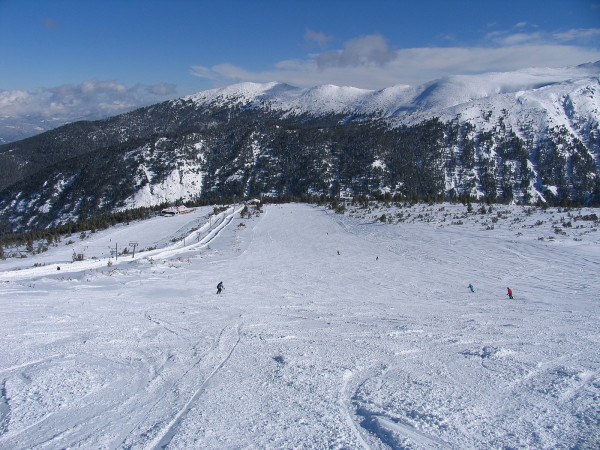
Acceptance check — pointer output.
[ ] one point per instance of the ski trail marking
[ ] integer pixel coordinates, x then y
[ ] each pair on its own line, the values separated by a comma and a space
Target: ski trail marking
164, 438
151, 319
215, 346
37, 361
586, 379
347, 377
418, 437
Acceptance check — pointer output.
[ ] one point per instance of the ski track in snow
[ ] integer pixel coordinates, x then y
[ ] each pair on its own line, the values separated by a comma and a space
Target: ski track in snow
165, 437
333, 332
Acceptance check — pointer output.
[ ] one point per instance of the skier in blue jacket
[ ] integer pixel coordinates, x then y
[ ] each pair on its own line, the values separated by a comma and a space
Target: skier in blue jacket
220, 287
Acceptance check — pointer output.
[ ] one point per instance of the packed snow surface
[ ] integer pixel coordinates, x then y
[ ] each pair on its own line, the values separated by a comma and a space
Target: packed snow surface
334, 331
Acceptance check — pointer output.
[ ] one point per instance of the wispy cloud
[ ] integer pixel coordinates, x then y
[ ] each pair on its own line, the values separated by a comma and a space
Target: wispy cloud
314, 37
162, 89
51, 24
523, 33
508, 39
577, 34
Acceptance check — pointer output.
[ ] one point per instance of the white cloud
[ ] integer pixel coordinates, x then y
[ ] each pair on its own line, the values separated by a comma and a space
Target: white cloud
91, 99
370, 62
519, 38
365, 50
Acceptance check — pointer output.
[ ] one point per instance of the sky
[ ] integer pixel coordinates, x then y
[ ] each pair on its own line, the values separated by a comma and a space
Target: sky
86, 59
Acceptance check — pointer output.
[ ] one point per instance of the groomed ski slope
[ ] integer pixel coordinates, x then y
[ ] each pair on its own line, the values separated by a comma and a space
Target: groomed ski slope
379, 346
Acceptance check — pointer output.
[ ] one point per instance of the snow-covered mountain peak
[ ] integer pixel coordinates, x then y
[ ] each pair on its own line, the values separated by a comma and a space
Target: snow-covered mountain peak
455, 90
281, 96
439, 97
241, 93
323, 99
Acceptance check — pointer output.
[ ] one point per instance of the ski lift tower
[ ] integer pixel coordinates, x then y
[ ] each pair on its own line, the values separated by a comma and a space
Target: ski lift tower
134, 245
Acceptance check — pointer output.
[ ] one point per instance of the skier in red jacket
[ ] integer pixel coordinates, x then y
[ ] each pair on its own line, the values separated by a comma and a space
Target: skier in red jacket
509, 293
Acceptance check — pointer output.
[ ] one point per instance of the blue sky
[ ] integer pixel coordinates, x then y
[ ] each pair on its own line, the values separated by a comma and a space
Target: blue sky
87, 58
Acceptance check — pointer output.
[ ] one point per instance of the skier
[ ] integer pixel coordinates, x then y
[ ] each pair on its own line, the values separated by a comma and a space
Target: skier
220, 287
509, 293
471, 287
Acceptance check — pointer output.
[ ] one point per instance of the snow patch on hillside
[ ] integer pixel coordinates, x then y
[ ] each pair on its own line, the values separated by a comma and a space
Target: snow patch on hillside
181, 184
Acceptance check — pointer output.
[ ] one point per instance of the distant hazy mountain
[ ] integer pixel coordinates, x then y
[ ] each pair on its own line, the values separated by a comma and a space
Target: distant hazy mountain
529, 135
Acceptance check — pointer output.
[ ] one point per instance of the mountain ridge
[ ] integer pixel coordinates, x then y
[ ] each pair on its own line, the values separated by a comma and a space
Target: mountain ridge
393, 101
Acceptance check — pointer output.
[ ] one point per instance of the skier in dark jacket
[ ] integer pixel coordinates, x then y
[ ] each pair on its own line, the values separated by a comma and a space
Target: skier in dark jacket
220, 287
471, 287
509, 293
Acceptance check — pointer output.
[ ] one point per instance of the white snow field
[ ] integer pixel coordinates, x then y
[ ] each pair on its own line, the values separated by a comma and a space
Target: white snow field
379, 346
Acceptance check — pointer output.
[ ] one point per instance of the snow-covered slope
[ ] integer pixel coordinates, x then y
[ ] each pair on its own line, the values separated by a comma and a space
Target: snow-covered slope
540, 101
325, 99
334, 331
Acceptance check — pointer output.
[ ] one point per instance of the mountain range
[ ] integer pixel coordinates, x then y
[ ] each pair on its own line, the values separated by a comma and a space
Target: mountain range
525, 136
